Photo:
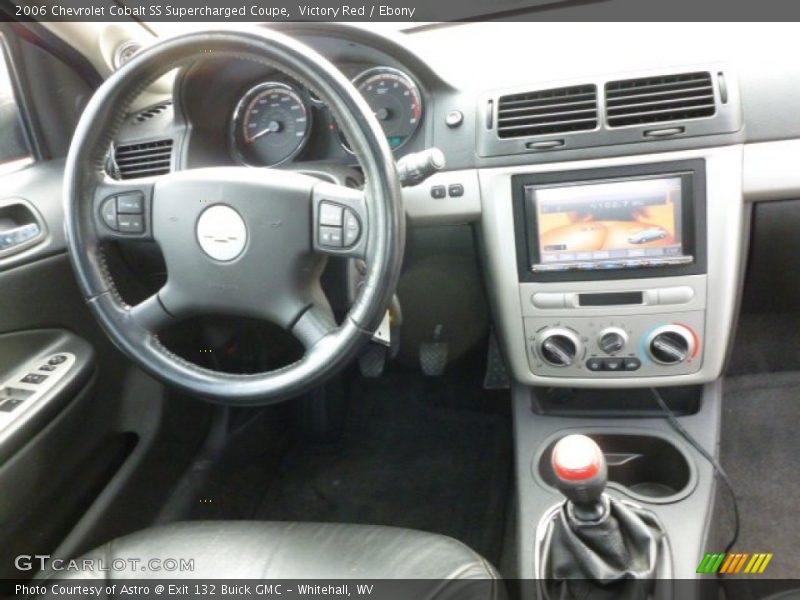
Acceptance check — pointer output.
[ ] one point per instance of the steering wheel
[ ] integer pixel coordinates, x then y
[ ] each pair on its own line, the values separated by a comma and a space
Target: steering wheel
236, 240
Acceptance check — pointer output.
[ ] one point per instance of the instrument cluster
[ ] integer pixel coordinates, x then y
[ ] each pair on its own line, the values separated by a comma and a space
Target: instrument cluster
278, 120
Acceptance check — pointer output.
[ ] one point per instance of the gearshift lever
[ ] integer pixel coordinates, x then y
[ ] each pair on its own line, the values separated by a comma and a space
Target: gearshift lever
581, 475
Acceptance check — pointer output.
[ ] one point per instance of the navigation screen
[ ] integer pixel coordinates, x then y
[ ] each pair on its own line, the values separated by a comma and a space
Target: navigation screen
609, 225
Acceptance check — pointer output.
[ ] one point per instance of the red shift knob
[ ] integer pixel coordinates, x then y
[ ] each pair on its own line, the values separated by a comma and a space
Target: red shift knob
577, 457
581, 475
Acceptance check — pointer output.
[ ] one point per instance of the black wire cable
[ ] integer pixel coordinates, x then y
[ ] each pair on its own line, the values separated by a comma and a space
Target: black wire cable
676, 425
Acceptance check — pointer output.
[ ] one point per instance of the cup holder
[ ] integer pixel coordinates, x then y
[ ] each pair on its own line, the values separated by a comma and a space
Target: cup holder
649, 468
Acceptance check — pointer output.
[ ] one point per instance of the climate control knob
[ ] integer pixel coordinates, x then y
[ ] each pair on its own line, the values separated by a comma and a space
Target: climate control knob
671, 344
559, 347
612, 340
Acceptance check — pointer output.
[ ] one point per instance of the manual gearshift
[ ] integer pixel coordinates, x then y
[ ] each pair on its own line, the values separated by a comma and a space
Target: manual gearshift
581, 475
596, 545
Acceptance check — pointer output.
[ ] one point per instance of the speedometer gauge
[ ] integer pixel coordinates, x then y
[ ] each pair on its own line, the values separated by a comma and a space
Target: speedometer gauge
395, 99
271, 124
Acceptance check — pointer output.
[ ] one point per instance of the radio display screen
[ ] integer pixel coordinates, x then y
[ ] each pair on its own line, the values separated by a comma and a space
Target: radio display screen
614, 224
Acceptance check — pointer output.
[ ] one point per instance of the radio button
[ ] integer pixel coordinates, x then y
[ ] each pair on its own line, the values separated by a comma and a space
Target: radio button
548, 300
675, 295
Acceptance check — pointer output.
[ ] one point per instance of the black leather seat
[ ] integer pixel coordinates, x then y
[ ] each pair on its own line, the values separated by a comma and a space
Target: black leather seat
265, 550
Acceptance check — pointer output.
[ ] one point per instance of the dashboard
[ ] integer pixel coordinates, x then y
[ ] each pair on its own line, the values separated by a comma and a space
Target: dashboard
612, 208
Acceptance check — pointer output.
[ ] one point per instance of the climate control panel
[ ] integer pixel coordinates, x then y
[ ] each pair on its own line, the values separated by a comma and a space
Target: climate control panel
630, 346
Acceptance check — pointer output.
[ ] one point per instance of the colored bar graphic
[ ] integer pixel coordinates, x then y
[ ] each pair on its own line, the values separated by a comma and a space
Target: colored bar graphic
764, 564
727, 564
720, 562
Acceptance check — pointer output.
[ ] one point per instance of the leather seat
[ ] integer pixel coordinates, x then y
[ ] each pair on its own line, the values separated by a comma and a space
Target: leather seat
265, 550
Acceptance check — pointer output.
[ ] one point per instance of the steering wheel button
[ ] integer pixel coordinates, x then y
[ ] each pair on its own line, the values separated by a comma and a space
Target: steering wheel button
109, 213
132, 203
330, 214
130, 223
352, 229
330, 236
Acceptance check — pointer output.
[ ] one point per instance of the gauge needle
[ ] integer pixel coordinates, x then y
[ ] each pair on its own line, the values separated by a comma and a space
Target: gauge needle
382, 114
273, 127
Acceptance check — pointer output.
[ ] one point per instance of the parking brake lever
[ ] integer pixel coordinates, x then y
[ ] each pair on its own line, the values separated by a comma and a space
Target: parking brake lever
413, 169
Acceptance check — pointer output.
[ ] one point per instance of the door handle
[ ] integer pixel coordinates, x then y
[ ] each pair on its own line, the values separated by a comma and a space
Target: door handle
20, 227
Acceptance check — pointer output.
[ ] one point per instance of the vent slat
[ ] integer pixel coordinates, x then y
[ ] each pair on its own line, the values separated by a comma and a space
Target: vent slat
566, 106
623, 108
706, 89
547, 111
144, 160
659, 99
540, 115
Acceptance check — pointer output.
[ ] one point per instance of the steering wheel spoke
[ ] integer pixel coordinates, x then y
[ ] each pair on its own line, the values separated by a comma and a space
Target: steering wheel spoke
123, 209
151, 315
340, 220
313, 325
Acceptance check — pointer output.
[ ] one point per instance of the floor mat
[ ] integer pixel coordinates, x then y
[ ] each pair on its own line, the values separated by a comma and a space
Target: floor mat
760, 446
428, 454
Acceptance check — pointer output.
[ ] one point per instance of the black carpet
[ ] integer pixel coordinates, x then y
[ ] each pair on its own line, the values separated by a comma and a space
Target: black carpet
760, 450
428, 454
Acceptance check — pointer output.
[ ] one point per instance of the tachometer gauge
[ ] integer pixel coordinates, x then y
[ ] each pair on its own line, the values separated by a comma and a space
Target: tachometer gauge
271, 124
395, 99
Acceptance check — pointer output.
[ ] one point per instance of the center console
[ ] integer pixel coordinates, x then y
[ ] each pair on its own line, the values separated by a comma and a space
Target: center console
609, 277
620, 272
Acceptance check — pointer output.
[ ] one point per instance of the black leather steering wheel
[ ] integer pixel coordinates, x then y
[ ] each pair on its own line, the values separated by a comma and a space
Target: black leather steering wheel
236, 240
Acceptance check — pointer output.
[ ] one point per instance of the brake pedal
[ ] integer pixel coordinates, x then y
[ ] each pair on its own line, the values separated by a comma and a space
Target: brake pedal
433, 355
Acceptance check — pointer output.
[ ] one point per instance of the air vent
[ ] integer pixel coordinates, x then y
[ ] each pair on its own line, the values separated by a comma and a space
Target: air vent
144, 160
151, 112
657, 99
560, 110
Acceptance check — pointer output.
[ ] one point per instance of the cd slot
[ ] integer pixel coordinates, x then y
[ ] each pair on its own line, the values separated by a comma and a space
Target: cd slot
611, 299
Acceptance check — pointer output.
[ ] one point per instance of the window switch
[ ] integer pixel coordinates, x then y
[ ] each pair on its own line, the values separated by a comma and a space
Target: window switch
10, 404
34, 378
47, 368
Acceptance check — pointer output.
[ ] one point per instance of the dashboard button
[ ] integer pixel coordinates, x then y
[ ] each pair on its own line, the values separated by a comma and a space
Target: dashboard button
330, 214
595, 364
455, 190
675, 295
613, 364
454, 118
631, 364
438, 192
548, 300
